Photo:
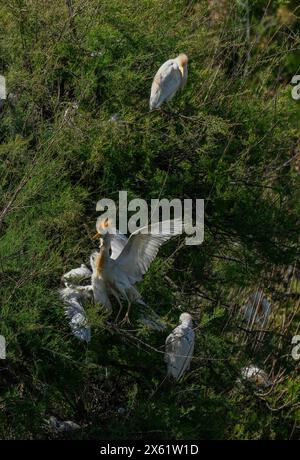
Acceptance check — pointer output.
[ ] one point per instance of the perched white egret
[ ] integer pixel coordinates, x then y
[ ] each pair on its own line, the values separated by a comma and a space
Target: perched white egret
170, 77
2, 87
180, 347
256, 375
120, 273
62, 426
257, 310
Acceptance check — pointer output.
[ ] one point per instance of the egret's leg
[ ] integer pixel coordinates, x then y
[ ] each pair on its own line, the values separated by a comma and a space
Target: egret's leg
120, 304
126, 317
119, 312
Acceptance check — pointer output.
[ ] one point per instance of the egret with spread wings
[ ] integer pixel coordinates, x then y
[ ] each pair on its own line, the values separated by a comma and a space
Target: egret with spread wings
170, 77
180, 347
121, 263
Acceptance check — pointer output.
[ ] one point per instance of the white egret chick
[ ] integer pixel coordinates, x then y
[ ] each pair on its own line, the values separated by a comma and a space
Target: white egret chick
256, 375
121, 273
74, 311
180, 347
76, 275
170, 77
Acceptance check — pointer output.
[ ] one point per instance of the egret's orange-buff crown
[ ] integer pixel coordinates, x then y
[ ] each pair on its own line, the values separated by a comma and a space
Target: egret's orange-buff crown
182, 59
103, 224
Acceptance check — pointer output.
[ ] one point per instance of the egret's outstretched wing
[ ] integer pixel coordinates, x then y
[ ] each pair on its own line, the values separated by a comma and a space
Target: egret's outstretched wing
165, 84
142, 248
179, 351
117, 244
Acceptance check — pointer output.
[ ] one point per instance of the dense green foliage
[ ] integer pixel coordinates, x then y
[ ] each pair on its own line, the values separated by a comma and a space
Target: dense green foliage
231, 137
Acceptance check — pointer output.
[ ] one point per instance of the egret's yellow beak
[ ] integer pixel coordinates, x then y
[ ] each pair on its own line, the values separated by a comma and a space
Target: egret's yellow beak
96, 236
181, 70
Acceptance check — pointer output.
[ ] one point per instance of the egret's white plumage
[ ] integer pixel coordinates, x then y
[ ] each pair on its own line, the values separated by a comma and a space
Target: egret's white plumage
77, 275
2, 87
117, 243
256, 375
121, 273
257, 310
180, 347
119, 264
74, 294
170, 77
73, 299
98, 285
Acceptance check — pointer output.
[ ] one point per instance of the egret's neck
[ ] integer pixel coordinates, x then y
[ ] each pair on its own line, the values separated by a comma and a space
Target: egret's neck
187, 323
102, 256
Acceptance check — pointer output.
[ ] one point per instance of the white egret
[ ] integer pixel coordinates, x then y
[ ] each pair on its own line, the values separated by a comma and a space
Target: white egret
256, 375
257, 310
76, 275
74, 293
117, 243
170, 77
120, 273
180, 347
